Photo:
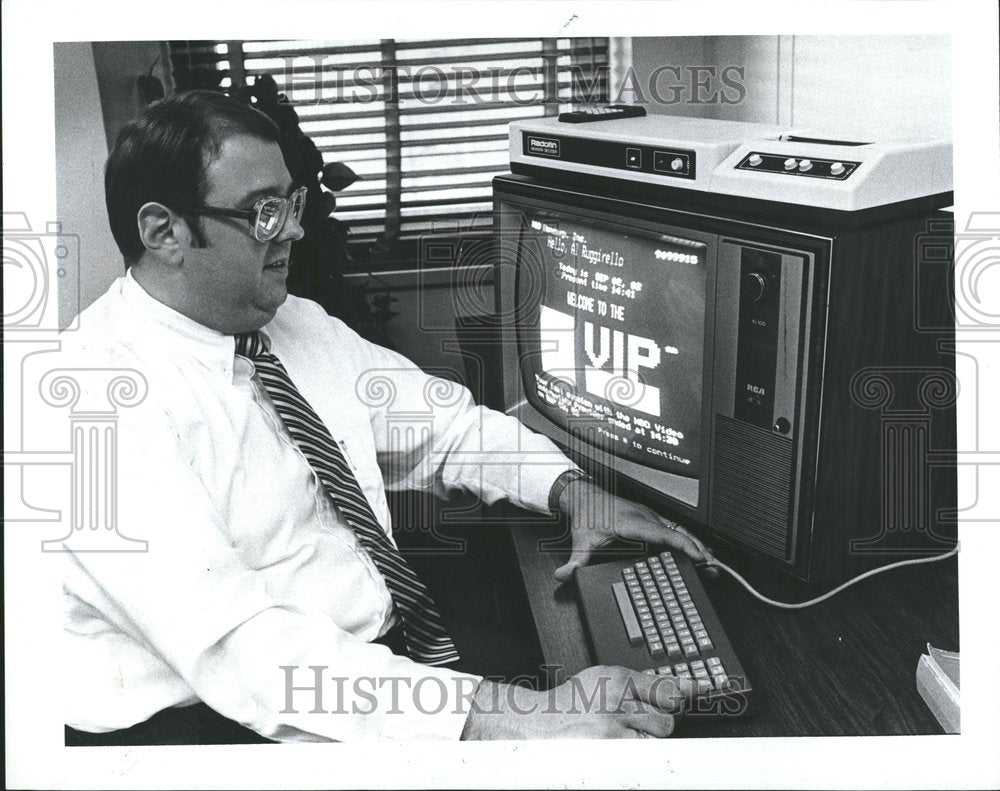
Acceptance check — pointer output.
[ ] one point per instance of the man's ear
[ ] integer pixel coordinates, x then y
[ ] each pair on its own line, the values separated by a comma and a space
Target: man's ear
163, 233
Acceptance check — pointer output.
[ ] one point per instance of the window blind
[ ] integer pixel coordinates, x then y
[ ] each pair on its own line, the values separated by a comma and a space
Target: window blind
423, 122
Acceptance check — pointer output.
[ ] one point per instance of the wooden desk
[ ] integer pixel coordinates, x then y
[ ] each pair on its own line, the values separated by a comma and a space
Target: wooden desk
845, 667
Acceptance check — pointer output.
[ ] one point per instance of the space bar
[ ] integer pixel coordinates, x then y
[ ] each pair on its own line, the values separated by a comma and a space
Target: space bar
627, 613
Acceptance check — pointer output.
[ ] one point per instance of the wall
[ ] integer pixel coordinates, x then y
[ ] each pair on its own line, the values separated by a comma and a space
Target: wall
81, 149
95, 94
877, 87
118, 64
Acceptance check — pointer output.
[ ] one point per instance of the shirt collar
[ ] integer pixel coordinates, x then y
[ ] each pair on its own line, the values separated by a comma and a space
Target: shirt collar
180, 334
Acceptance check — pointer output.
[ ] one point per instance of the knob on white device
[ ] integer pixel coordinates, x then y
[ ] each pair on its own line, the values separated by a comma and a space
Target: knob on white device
677, 164
790, 163
837, 168
755, 159
805, 165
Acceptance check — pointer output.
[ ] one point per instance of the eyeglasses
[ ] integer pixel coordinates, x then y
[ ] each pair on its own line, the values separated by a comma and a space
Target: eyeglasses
267, 217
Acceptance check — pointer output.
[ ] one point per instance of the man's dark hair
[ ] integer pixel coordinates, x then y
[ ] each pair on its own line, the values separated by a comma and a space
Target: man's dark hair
162, 154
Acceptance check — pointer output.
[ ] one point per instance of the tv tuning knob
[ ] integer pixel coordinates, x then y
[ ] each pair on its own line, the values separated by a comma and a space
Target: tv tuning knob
755, 286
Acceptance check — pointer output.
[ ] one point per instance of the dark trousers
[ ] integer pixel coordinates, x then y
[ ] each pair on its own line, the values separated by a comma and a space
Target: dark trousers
197, 724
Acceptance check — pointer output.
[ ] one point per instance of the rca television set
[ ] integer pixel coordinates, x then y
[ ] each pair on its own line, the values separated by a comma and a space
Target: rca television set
779, 376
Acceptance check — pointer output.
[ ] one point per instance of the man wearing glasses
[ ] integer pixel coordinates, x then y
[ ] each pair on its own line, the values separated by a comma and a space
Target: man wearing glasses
272, 603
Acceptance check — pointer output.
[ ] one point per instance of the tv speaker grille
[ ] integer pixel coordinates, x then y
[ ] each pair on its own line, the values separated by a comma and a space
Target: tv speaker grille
751, 487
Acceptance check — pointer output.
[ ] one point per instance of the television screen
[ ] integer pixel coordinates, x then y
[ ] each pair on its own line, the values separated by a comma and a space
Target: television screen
611, 334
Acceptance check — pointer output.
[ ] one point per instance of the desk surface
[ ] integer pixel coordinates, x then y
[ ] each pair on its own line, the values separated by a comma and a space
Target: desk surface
845, 667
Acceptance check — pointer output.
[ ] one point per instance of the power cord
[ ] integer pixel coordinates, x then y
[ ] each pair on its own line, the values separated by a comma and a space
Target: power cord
800, 605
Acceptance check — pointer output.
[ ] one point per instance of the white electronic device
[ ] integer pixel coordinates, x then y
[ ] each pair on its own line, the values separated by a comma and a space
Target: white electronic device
760, 161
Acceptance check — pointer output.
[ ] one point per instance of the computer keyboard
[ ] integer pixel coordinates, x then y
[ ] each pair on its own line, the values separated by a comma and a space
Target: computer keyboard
654, 615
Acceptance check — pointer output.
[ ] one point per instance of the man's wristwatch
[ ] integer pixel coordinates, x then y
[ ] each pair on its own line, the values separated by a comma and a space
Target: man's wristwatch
561, 483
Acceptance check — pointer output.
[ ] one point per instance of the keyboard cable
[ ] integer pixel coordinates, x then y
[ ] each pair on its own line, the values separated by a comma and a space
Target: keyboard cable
800, 605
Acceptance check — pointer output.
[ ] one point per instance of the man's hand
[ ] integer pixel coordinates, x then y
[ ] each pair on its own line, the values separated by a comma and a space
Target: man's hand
598, 703
597, 517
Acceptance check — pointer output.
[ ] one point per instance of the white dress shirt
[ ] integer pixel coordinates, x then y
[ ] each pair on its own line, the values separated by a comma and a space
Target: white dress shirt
250, 568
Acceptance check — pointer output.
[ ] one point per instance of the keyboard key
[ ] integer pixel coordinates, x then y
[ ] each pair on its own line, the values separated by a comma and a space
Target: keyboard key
690, 650
664, 670
714, 661
716, 670
699, 672
632, 630
705, 644
650, 671
673, 650
704, 686
698, 664
656, 650
682, 670
699, 633
721, 681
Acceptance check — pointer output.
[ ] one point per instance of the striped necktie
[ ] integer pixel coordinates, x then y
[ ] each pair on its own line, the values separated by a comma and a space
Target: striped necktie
425, 635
